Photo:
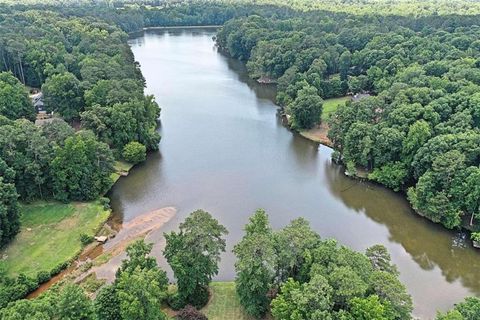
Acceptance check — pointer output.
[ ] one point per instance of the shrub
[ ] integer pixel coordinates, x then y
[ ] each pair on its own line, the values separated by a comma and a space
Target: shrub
56, 270
86, 239
43, 276
134, 152
175, 301
475, 236
105, 202
190, 313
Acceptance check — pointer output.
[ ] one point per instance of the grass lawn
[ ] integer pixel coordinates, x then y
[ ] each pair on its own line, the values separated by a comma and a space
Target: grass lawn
224, 303
330, 105
121, 168
49, 235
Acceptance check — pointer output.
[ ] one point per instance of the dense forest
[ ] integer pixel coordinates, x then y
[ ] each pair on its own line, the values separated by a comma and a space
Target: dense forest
90, 82
417, 130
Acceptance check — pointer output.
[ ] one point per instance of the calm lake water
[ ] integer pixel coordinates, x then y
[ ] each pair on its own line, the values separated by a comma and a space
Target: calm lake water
224, 150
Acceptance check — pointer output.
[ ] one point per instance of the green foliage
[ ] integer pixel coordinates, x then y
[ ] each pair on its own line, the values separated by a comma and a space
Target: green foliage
140, 294
475, 236
306, 109
122, 123
14, 101
392, 175
417, 84
140, 286
193, 254
81, 169
134, 152
466, 310
73, 304
9, 209
106, 304
63, 94
26, 151
331, 281
256, 264
290, 244
311, 300
368, 309
86, 239
380, 259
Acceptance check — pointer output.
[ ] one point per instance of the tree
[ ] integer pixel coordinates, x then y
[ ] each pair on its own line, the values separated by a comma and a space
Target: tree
306, 109
27, 152
73, 304
122, 123
140, 286
368, 309
346, 284
466, 310
9, 208
106, 304
256, 264
141, 293
138, 256
35, 309
193, 254
81, 169
14, 101
134, 152
311, 300
380, 259
392, 293
291, 243
63, 94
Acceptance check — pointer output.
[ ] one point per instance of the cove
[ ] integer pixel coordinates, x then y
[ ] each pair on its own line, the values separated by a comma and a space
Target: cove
224, 150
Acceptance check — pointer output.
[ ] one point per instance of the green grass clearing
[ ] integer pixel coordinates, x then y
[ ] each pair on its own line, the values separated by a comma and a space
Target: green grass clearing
224, 303
121, 168
330, 105
49, 235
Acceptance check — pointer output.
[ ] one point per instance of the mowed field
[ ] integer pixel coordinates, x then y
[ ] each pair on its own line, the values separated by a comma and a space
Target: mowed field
50, 235
224, 303
330, 105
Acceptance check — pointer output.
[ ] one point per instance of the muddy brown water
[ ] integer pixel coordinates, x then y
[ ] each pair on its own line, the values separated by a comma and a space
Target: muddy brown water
224, 150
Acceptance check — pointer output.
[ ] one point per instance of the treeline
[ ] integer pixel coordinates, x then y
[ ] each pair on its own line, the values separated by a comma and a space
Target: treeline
419, 132
292, 271
89, 79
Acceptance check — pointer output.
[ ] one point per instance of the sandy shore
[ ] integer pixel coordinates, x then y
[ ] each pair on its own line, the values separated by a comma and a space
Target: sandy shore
318, 134
140, 227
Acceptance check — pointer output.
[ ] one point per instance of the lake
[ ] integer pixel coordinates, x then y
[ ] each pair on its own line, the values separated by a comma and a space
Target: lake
225, 150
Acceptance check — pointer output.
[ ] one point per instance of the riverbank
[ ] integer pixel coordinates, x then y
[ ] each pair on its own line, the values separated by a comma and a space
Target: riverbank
320, 132
99, 263
50, 232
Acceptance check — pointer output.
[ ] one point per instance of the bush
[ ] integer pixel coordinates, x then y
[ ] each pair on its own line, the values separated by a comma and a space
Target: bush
86, 239
200, 298
190, 313
475, 236
134, 152
175, 301
43, 276
105, 202
56, 270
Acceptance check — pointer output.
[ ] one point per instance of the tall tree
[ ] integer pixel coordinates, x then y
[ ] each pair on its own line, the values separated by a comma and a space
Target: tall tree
193, 254
63, 94
14, 100
256, 265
